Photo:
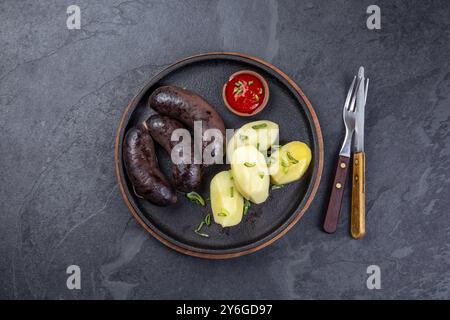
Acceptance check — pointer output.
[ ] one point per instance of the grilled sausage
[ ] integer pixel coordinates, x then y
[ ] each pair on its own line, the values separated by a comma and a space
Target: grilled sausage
187, 176
188, 107
143, 169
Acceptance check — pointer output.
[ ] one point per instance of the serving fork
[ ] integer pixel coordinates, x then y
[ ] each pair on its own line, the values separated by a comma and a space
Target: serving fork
337, 192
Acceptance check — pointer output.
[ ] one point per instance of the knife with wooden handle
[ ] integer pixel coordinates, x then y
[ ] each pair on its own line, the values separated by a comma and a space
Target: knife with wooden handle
358, 215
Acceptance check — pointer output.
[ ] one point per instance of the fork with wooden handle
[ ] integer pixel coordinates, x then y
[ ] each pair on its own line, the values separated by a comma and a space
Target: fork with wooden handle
338, 187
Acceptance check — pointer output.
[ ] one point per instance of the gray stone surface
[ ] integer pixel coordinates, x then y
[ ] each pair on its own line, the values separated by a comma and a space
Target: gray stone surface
62, 93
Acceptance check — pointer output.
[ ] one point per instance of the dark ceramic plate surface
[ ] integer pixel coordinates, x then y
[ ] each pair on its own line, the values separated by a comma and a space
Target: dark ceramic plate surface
174, 225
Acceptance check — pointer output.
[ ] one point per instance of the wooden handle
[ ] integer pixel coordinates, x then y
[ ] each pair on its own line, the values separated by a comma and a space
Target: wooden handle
358, 217
337, 193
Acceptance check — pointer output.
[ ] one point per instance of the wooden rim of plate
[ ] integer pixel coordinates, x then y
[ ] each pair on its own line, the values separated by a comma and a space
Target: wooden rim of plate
315, 178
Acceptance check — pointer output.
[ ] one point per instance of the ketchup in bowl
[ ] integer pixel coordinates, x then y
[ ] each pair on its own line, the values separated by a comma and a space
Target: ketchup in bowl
246, 93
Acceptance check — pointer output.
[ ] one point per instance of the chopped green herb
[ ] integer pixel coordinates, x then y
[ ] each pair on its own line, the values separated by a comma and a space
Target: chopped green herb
250, 83
249, 164
277, 186
201, 234
200, 226
231, 192
259, 126
238, 90
223, 213
257, 146
261, 175
247, 205
243, 137
195, 197
284, 163
291, 158
260, 90
256, 97
207, 219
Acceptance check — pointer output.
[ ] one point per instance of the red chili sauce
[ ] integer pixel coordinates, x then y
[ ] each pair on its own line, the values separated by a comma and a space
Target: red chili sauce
244, 93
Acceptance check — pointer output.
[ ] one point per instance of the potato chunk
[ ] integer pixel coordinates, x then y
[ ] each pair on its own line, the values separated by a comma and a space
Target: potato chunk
226, 202
250, 173
289, 163
262, 134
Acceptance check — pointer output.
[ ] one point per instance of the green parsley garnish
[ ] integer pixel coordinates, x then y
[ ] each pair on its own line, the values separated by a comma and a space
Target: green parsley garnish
259, 126
208, 219
205, 221
247, 205
195, 197
223, 213
243, 137
291, 158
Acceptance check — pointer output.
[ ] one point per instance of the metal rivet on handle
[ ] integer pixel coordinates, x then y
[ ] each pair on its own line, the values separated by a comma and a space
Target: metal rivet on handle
338, 185
343, 165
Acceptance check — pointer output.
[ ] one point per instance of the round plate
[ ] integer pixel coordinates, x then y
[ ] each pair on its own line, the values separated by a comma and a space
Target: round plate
288, 106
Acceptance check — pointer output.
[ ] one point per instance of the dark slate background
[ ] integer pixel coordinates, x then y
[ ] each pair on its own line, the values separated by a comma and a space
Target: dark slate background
62, 93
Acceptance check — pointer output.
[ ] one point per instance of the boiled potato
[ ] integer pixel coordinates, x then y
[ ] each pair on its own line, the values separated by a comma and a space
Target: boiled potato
289, 163
226, 202
261, 134
250, 173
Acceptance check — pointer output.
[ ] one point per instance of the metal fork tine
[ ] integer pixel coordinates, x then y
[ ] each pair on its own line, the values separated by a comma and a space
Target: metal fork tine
349, 94
365, 92
353, 103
